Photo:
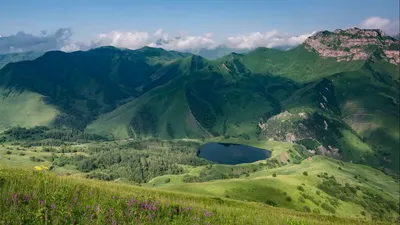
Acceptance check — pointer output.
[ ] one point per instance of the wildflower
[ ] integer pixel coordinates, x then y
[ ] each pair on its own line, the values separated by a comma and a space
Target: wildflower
87, 207
112, 211
42, 202
207, 213
26, 198
15, 198
92, 217
41, 168
53, 206
189, 208
114, 222
96, 208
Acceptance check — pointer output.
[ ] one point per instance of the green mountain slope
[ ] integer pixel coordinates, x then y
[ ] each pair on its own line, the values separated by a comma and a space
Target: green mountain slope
25, 109
83, 85
334, 94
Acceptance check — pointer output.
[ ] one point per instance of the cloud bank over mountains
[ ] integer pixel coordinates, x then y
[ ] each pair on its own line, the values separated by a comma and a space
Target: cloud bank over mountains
390, 27
61, 39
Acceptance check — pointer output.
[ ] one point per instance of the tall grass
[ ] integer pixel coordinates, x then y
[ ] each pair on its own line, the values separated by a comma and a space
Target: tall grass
38, 197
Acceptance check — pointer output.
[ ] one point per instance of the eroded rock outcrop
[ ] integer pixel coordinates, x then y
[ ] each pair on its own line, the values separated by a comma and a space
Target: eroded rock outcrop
354, 44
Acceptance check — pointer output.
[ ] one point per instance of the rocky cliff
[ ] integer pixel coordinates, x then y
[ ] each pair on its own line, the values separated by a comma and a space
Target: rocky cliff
354, 44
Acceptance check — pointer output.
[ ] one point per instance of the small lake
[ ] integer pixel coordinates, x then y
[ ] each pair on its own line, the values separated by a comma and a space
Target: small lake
232, 154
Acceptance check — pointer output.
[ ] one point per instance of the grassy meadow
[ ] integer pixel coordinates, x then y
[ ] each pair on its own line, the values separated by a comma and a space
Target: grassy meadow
38, 197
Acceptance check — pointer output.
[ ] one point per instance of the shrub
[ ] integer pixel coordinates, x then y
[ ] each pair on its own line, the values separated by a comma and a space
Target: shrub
328, 207
288, 198
301, 199
318, 192
21, 154
363, 213
316, 211
167, 180
307, 209
34, 159
305, 173
300, 188
8, 152
271, 203
274, 174
340, 168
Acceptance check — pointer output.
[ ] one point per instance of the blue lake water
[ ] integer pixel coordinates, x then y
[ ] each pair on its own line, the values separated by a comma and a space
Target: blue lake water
232, 154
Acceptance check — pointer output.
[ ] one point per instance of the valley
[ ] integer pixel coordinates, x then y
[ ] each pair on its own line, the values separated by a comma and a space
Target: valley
304, 136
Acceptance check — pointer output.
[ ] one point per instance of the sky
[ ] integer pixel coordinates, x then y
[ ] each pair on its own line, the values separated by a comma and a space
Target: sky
43, 25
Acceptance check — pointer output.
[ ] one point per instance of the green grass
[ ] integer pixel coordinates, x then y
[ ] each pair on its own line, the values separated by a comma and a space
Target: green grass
26, 109
259, 189
40, 198
261, 186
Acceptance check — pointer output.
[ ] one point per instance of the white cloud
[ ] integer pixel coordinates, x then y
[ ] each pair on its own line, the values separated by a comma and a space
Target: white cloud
136, 39
72, 47
186, 42
131, 40
22, 42
271, 39
388, 26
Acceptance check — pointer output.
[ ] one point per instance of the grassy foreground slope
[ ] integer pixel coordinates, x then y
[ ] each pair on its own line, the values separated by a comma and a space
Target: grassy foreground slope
33, 197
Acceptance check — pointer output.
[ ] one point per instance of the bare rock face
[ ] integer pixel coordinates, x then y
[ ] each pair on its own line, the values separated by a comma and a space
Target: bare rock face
354, 44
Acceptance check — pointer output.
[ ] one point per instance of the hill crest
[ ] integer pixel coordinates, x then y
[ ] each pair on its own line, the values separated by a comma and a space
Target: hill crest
354, 44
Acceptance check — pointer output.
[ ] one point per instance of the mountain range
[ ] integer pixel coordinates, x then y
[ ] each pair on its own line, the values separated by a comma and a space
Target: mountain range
337, 94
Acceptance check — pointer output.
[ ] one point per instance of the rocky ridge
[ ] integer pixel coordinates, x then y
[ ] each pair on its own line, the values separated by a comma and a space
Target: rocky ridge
354, 44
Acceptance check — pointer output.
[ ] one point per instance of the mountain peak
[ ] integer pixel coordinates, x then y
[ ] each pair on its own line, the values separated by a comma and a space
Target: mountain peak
354, 44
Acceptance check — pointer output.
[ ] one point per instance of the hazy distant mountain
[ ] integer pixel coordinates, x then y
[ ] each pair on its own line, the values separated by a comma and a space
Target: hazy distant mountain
16, 57
217, 52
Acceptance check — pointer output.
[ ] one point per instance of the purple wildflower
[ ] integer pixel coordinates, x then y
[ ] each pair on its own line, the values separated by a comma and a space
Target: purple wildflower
26, 198
42, 202
87, 207
112, 211
53, 206
114, 222
96, 208
207, 213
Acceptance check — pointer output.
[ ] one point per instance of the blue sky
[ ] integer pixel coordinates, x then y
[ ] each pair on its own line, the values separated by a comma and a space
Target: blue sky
222, 18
